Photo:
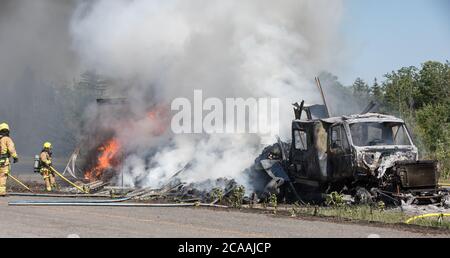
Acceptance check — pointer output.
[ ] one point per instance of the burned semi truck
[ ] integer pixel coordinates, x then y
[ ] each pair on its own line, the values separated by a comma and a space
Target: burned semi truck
369, 156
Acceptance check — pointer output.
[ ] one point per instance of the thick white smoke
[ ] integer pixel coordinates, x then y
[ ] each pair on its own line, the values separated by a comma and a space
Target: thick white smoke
36, 61
35, 36
227, 48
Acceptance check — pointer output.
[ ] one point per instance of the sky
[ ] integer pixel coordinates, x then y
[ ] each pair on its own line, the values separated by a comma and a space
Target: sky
384, 35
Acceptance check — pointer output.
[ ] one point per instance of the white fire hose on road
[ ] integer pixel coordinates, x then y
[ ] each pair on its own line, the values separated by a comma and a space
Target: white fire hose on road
121, 202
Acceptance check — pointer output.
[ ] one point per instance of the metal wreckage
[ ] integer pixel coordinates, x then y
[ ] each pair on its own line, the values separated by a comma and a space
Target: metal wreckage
367, 157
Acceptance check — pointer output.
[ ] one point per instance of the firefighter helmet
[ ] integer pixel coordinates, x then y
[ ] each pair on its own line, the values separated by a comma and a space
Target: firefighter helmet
4, 127
47, 145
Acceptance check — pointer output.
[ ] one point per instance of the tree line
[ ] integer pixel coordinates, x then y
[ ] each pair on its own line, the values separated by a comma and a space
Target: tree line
421, 96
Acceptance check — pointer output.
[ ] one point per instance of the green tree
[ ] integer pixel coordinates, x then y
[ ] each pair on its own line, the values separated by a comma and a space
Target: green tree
421, 96
361, 93
377, 91
402, 90
433, 125
433, 122
434, 82
360, 89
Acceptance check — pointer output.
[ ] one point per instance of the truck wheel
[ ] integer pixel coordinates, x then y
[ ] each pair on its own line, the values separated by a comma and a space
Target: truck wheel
446, 201
363, 196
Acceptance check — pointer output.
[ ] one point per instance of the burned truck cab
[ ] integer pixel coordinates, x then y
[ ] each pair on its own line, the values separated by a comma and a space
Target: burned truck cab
378, 142
372, 151
308, 161
367, 155
385, 157
321, 154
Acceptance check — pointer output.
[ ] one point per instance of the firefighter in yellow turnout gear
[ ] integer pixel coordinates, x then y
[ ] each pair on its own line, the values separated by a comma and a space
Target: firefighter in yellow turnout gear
7, 151
45, 159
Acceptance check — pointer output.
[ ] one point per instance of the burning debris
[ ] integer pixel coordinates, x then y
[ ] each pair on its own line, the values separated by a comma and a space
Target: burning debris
106, 147
368, 157
109, 158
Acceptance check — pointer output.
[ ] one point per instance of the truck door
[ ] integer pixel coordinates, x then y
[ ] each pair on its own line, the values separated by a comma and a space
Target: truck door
299, 151
303, 154
339, 153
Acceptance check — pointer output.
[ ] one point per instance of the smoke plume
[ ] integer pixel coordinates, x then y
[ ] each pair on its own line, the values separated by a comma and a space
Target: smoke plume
167, 49
36, 59
156, 51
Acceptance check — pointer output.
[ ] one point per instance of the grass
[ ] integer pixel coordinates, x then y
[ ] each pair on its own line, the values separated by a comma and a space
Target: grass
433, 222
444, 181
338, 209
361, 213
237, 197
355, 213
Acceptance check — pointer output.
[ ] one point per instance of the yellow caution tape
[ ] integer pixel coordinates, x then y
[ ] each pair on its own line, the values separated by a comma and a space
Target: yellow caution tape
427, 216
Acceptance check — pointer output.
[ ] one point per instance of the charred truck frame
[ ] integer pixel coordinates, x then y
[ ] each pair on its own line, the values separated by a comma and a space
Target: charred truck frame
369, 156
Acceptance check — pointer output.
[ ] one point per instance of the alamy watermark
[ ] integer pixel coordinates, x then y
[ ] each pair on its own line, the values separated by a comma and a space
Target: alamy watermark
226, 116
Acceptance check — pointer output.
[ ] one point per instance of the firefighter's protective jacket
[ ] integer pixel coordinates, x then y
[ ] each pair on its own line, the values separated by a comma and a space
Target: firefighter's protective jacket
46, 159
7, 150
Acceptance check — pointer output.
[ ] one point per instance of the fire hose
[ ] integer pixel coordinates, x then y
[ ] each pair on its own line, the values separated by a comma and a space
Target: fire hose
110, 203
61, 195
67, 180
441, 215
39, 203
20, 183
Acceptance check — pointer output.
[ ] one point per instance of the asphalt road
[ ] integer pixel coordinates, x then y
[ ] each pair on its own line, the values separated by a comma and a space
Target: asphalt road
88, 222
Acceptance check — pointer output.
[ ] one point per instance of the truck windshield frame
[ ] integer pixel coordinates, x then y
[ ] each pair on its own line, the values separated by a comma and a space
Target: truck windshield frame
372, 134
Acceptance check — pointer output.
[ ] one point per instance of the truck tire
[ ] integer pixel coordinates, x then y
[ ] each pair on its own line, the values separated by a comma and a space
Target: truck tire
363, 196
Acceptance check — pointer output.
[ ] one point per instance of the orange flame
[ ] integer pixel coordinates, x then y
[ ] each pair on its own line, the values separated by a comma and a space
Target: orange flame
105, 161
